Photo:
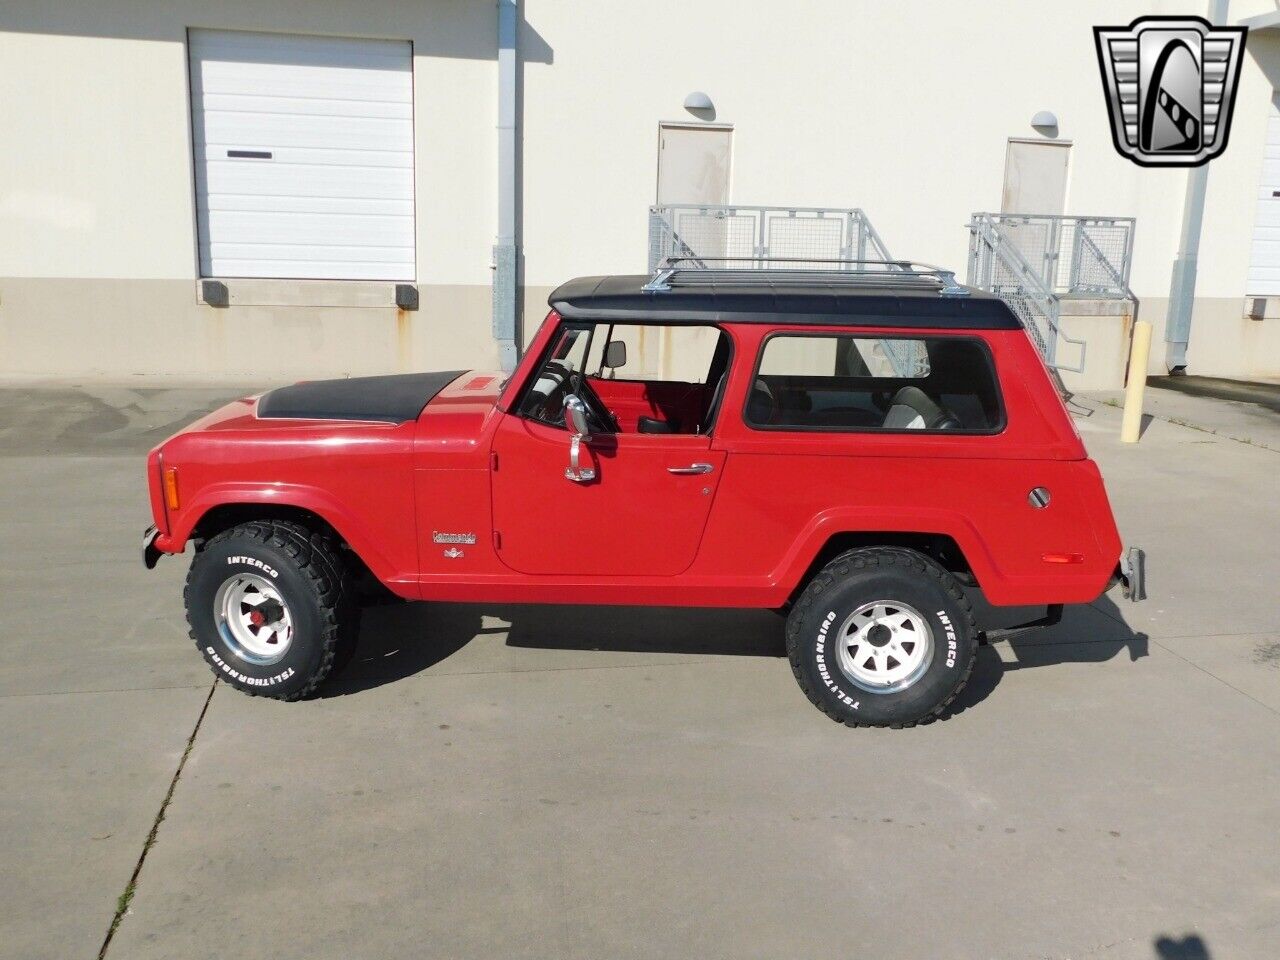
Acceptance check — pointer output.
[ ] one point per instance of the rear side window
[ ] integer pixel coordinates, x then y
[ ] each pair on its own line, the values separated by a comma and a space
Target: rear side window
844, 383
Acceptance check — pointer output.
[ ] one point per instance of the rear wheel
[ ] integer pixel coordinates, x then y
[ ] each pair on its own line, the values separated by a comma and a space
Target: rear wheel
270, 608
882, 637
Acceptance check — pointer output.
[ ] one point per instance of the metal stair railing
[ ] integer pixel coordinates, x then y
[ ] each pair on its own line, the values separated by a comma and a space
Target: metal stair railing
998, 265
1116, 281
726, 238
1078, 257
728, 232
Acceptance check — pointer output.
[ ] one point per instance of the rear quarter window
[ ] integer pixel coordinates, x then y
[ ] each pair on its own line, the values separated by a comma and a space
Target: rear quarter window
875, 384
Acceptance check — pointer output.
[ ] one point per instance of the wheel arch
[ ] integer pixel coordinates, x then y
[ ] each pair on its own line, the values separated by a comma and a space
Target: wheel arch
941, 547
223, 516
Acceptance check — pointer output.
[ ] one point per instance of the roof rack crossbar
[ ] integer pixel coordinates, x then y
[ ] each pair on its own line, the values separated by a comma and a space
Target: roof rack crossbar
744, 272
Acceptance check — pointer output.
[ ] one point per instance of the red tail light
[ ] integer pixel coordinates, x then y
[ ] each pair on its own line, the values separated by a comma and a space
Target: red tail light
1062, 557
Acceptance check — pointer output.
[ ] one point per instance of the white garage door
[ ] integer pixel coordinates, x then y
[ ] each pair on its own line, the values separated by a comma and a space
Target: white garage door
304, 156
1264, 260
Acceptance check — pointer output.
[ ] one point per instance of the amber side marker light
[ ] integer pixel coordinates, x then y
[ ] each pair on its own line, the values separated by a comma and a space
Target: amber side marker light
171, 487
1062, 557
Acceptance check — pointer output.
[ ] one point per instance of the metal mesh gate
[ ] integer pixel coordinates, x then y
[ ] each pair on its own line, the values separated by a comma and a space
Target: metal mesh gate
1074, 256
739, 236
1033, 262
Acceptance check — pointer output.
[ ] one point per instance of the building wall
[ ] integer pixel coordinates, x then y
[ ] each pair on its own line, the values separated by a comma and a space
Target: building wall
901, 109
98, 261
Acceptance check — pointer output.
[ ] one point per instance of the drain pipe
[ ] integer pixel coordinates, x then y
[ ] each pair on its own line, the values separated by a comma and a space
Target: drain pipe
506, 251
1182, 285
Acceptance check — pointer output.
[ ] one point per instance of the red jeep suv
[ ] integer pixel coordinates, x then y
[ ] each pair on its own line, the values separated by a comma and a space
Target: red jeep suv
855, 448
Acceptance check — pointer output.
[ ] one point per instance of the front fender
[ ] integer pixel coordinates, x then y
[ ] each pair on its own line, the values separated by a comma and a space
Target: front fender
353, 528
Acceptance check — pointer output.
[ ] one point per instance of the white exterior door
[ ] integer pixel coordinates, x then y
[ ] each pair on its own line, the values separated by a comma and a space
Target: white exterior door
1264, 258
1035, 176
693, 164
303, 155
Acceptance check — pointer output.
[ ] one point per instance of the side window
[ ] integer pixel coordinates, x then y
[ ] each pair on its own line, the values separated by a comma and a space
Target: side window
544, 399
847, 383
671, 354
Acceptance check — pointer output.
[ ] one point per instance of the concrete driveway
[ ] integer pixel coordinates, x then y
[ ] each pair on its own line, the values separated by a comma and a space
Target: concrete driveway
567, 782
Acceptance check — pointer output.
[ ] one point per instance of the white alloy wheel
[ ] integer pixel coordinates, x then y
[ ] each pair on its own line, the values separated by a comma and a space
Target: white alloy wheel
884, 646
253, 618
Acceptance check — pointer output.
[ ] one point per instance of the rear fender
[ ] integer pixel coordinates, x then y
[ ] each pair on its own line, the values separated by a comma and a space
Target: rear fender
924, 521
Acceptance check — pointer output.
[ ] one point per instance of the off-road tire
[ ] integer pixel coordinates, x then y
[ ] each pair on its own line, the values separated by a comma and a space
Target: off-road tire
307, 569
875, 574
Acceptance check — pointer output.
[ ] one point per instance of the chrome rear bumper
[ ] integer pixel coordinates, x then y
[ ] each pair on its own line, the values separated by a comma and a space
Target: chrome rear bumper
1132, 573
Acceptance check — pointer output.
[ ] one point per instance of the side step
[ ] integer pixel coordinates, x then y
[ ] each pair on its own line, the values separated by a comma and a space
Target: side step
1052, 615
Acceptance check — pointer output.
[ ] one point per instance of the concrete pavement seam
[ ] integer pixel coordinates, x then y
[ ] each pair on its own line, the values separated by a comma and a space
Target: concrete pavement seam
126, 897
82, 693
1210, 673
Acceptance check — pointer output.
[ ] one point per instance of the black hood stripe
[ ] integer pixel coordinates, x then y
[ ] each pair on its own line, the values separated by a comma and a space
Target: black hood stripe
392, 399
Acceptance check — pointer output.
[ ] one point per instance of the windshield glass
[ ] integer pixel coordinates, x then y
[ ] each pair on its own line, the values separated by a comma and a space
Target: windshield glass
545, 399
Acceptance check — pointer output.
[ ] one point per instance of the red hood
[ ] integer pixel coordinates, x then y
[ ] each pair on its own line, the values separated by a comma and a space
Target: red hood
456, 417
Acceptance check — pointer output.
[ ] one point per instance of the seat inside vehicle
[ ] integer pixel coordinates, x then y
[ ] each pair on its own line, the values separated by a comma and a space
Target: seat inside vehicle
849, 383
667, 380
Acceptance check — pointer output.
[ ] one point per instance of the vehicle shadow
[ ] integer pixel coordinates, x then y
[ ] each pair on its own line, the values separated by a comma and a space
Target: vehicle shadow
1190, 947
714, 632
1088, 633
397, 641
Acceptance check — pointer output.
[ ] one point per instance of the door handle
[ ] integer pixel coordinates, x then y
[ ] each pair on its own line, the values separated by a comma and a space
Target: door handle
692, 468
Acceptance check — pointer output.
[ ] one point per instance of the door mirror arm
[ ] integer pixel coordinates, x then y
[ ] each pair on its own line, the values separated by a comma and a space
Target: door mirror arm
575, 418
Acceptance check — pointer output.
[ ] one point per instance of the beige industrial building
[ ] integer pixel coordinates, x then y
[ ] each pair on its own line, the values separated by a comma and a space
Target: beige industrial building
259, 191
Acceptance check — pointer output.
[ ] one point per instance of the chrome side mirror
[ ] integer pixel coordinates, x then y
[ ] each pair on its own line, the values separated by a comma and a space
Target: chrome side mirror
575, 417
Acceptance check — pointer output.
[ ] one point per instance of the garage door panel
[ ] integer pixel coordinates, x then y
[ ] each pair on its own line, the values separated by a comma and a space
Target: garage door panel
322, 81
302, 49
1268, 219
313, 269
244, 79
309, 106
268, 178
312, 251
358, 89
216, 152
1264, 286
239, 226
336, 116
278, 129
1266, 255
309, 204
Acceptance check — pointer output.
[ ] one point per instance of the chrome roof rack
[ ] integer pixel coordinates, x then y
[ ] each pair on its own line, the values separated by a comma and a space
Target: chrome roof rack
801, 271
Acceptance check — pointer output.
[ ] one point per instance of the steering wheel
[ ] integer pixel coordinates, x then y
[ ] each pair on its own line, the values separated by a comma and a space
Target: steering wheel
599, 419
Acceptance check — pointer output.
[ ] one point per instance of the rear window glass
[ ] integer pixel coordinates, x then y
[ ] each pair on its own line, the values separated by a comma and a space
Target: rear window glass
930, 384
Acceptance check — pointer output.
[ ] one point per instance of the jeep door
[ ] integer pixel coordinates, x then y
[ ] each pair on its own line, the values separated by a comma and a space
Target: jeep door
642, 513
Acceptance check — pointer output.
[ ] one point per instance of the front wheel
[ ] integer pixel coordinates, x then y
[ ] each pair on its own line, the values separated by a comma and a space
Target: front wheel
882, 637
269, 604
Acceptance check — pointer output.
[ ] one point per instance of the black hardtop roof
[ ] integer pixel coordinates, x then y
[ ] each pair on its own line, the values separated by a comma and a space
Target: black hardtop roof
620, 298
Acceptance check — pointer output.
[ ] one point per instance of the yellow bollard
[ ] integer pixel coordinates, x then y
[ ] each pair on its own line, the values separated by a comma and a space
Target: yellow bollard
1131, 425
